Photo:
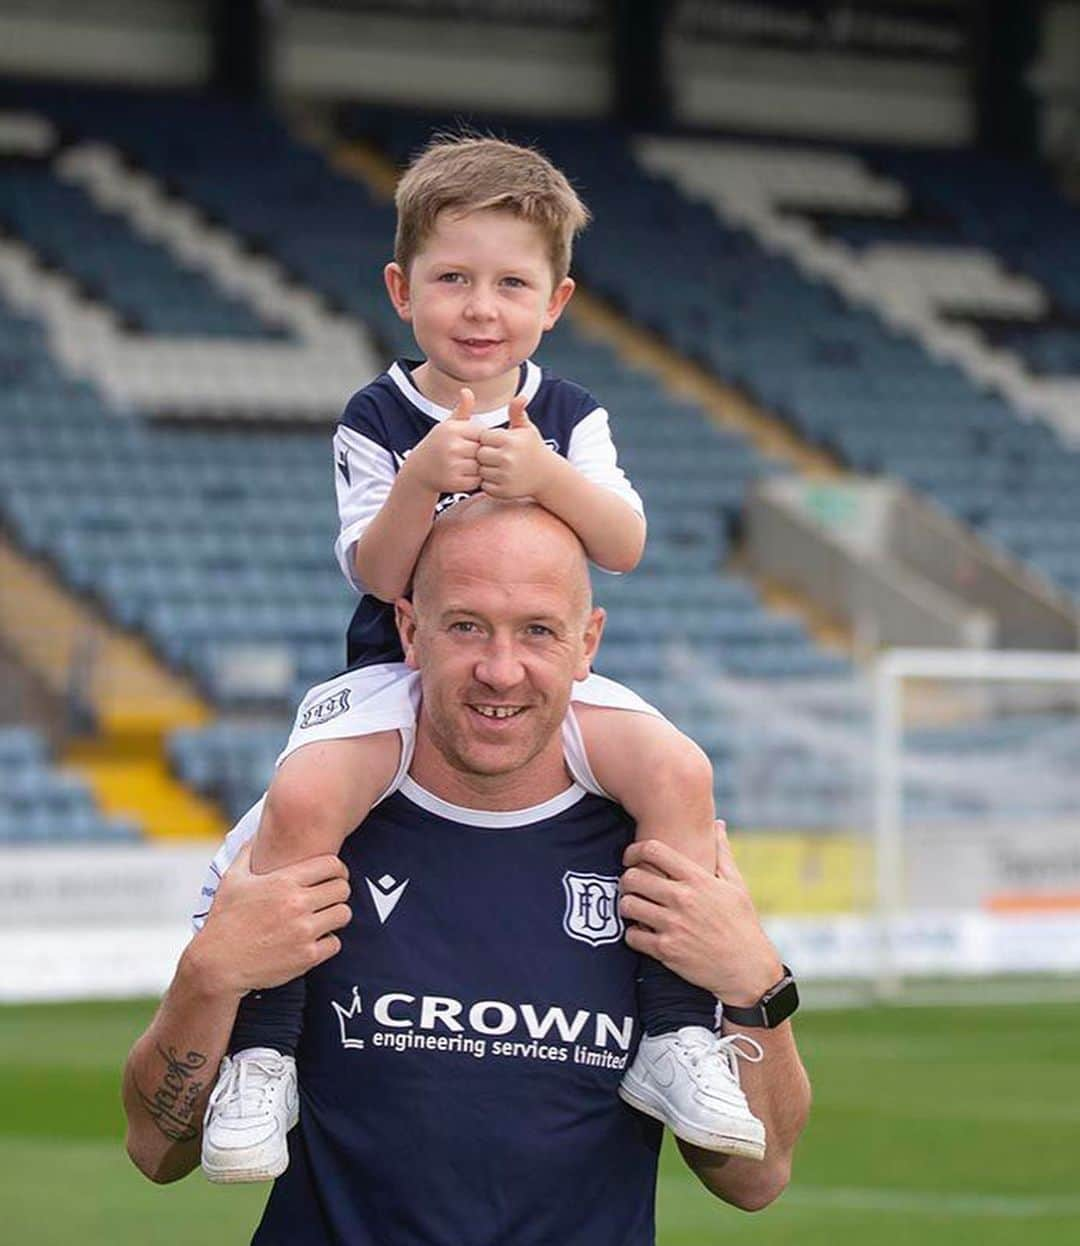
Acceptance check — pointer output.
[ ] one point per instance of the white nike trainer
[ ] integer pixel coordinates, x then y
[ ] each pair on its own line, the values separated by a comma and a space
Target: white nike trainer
689, 1079
253, 1106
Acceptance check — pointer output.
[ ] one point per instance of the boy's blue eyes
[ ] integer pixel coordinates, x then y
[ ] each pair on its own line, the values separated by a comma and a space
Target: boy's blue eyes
515, 283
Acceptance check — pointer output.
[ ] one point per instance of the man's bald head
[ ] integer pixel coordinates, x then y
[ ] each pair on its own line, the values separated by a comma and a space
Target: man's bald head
480, 531
500, 626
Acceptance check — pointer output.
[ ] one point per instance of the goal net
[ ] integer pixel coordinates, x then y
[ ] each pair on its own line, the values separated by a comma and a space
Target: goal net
944, 784
976, 816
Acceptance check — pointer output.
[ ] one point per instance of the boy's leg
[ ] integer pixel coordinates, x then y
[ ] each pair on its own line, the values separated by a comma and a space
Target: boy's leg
318, 796
664, 781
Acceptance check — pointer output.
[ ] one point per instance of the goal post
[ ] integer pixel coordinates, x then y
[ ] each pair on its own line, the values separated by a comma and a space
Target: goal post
975, 813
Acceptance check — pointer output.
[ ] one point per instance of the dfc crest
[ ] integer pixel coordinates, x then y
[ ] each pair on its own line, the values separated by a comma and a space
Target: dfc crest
592, 908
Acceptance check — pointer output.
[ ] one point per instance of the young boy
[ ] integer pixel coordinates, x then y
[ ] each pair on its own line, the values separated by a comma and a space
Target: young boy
480, 272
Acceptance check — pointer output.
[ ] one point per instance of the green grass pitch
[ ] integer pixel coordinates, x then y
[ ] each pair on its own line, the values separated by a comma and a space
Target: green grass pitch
930, 1126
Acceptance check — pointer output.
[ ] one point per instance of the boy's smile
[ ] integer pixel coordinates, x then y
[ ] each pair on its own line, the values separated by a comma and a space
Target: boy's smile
479, 296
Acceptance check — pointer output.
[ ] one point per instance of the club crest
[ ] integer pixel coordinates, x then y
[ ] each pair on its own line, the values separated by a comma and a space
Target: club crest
329, 707
592, 908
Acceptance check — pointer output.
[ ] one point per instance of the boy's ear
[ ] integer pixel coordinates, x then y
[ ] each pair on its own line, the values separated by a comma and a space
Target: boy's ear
397, 286
560, 296
405, 618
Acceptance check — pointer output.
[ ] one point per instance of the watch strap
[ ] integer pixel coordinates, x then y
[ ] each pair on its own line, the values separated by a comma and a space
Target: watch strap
772, 1009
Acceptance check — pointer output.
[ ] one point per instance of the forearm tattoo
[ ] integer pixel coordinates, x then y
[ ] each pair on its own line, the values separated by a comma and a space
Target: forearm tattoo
171, 1105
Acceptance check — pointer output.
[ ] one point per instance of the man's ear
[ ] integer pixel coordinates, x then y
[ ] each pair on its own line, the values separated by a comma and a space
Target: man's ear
560, 296
397, 286
405, 618
594, 629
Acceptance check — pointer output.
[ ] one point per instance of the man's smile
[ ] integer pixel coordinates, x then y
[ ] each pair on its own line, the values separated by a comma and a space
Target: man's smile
496, 715
498, 711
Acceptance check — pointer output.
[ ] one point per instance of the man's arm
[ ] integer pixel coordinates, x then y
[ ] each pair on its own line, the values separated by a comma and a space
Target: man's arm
263, 930
705, 929
778, 1091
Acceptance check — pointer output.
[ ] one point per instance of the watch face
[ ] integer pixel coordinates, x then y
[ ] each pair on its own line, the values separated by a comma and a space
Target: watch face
774, 1007
779, 1004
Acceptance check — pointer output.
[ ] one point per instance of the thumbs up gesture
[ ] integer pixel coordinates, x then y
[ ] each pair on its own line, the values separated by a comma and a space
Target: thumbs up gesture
445, 461
513, 461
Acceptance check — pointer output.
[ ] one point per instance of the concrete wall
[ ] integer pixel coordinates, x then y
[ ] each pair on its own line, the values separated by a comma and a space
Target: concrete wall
446, 63
160, 42
1056, 79
443, 63
782, 92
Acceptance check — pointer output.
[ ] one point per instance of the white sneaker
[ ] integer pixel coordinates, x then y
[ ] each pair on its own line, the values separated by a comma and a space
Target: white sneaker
253, 1106
690, 1080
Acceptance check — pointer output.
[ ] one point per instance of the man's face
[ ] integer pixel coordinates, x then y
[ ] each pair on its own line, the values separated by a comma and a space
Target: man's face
499, 628
479, 295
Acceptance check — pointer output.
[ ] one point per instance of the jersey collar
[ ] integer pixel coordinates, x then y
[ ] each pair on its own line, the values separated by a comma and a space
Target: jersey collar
489, 819
400, 374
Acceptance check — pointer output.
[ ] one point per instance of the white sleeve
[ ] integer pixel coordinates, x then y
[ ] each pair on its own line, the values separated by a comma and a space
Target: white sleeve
363, 475
593, 453
243, 831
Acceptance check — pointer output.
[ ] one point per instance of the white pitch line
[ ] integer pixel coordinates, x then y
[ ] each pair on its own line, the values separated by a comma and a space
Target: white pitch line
932, 1203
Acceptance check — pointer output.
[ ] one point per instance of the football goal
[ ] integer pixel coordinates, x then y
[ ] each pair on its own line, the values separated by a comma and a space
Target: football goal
976, 814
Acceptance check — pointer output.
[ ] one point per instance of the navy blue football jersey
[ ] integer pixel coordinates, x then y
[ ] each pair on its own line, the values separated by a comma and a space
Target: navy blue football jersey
461, 1055
384, 421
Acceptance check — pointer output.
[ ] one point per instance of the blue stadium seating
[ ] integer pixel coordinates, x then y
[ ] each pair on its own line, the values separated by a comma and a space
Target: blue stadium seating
139, 280
40, 804
875, 399
205, 538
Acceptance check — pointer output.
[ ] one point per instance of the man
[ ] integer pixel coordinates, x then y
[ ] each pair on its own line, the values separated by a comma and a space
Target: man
465, 1036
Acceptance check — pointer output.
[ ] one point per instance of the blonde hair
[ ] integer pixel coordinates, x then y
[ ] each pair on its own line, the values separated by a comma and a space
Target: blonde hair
468, 173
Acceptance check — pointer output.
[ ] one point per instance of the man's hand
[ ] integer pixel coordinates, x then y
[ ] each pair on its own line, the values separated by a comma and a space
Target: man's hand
266, 929
262, 930
703, 928
514, 462
445, 460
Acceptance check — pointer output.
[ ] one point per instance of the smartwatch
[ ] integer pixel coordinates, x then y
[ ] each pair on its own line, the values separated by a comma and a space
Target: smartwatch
774, 1007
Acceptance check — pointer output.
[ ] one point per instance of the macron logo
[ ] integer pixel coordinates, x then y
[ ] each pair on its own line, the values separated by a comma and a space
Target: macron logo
386, 893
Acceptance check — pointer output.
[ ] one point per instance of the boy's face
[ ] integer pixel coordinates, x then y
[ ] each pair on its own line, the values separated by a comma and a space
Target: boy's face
479, 296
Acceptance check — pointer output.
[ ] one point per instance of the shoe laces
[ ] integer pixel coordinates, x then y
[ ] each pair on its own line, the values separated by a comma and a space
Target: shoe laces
714, 1058
244, 1089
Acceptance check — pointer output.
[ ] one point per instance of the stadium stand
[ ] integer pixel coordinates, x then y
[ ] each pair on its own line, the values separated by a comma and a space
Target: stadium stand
42, 804
754, 293
877, 360
216, 542
67, 230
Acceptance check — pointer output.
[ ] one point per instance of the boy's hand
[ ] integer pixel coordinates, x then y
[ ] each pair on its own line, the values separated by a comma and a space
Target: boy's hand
445, 460
514, 462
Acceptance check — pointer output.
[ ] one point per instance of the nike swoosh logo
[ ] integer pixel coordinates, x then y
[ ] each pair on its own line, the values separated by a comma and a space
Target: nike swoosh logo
385, 901
663, 1070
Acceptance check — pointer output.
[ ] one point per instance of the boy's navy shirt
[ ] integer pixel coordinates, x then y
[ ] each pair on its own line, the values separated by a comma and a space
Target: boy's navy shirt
461, 1055
381, 425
